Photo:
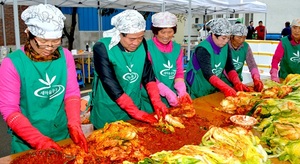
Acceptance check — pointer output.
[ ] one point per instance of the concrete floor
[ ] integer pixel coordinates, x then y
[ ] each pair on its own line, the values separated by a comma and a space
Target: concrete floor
5, 138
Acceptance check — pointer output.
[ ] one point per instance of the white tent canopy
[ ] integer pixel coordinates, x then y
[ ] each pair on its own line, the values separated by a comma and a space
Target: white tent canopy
205, 7
174, 6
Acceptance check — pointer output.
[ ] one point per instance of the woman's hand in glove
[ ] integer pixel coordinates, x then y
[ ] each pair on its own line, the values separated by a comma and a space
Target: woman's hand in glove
258, 85
72, 107
238, 85
274, 75
24, 129
241, 87
222, 86
78, 137
159, 107
168, 94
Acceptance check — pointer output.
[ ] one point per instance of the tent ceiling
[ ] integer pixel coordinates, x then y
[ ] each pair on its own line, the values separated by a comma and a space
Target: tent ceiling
204, 7
174, 6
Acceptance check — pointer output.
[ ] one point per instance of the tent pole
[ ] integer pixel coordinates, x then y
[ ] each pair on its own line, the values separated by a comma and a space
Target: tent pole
3, 25
163, 6
189, 29
16, 21
99, 19
265, 37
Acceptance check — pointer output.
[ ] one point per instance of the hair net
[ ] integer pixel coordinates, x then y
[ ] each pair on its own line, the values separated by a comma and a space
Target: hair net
220, 26
164, 19
296, 22
239, 30
128, 22
44, 20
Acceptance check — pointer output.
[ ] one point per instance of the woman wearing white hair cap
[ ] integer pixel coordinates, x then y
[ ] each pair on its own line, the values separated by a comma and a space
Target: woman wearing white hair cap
166, 57
241, 52
121, 67
287, 54
211, 57
39, 92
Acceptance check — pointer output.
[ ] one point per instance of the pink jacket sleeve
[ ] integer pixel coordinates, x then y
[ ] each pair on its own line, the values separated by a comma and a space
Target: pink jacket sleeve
72, 88
277, 56
9, 88
179, 65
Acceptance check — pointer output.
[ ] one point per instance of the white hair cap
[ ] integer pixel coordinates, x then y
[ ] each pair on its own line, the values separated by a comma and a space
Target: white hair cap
239, 30
221, 26
128, 22
44, 21
296, 22
164, 19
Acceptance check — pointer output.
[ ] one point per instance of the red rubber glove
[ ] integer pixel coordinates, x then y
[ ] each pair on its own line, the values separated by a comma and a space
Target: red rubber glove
126, 103
238, 85
168, 94
258, 85
24, 129
72, 107
159, 107
274, 75
222, 86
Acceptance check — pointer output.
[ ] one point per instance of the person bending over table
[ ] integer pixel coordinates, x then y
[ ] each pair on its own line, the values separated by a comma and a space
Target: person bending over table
39, 93
241, 52
210, 58
121, 67
166, 57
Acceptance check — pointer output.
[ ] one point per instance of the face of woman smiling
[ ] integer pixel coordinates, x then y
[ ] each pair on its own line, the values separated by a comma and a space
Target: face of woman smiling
165, 35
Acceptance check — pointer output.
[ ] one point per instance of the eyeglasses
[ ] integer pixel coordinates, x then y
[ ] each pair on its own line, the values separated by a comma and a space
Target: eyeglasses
54, 44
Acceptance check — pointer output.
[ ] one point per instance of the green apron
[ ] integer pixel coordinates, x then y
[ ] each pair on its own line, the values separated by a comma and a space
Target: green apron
238, 59
290, 60
196, 83
164, 69
43, 86
128, 68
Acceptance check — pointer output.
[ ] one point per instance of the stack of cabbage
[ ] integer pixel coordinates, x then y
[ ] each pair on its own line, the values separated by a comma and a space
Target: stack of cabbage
219, 145
280, 123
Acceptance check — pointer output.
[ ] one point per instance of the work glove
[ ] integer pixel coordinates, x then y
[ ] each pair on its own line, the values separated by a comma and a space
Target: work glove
235, 80
184, 97
274, 75
222, 86
167, 93
126, 103
159, 107
258, 85
24, 129
72, 107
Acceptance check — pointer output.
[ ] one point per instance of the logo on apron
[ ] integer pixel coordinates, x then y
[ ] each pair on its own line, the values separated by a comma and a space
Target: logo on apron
130, 76
296, 57
168, 71
49, 91
237, 65
217, 71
